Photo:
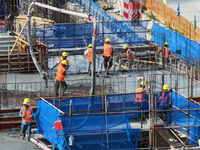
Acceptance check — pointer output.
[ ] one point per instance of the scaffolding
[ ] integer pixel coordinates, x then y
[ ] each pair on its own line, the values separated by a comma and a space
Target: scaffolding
111, 111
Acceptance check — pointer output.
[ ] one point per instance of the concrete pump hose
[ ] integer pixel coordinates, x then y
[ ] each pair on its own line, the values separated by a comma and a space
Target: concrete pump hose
41, 72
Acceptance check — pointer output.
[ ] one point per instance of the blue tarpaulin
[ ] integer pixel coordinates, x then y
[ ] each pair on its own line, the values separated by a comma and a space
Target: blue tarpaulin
93, 129
90, 130
180, 118
190, 50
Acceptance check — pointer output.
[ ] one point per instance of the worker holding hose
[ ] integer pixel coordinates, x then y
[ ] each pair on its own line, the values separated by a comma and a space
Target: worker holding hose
26, 113
107, 55
64, 57
61, 85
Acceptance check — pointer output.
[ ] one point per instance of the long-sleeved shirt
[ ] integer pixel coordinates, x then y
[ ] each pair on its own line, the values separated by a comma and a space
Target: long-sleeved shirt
20, 114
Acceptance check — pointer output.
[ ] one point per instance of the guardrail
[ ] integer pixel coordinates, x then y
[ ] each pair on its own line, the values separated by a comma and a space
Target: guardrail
170, 16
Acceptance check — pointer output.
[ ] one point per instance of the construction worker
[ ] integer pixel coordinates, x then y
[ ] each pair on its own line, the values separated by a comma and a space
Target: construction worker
64, 57
26, 113
165, 52
163, 102
108, 55
140, 93
60, 78
129, 53
89, 53
164, 98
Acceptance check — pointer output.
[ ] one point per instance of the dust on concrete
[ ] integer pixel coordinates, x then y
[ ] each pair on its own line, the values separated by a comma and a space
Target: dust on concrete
11, 140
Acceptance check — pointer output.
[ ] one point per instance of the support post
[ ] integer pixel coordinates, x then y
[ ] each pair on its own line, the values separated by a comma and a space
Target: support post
9, 66
198, 68
150, 115
155, 122
106, 113
93, 78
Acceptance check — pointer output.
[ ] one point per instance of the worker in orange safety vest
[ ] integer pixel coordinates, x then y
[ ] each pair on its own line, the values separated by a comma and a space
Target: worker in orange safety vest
64, 57
140, 93
89, 53
165, 52
107, 55
26, 113
60, 78
164, 99
129, 53
163, 102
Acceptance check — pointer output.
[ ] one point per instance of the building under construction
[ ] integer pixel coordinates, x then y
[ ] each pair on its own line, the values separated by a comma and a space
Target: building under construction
100, 111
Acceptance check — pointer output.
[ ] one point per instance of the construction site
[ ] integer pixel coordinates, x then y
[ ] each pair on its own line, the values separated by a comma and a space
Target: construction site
101, 107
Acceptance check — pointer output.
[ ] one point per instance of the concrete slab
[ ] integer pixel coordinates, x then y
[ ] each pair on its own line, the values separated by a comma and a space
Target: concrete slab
11, 140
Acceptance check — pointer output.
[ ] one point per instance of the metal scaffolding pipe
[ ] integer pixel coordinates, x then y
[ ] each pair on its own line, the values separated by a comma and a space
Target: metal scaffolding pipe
41, 72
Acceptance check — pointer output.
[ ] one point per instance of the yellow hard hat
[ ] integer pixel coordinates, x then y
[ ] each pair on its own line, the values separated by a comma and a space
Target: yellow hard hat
26, 101
166, 43
64, 54
90, 45
125, 46
143, 83
107, 40
165, 87
64, 62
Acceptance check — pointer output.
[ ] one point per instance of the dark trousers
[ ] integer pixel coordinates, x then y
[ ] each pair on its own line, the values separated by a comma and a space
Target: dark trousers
106, 61
25, 128
63, 85
89, 68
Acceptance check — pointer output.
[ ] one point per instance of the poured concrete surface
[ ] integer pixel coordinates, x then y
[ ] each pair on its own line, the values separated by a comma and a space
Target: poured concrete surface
11, 140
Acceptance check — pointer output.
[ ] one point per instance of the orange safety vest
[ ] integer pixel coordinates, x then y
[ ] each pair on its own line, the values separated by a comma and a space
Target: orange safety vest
27, 115
89, 54
138, 97
60, 73
107, 50
164, 98
127, 53
165, 52
61, 59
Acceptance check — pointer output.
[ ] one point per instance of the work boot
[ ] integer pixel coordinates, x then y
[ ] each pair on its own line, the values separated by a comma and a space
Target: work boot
23, 136
29, 137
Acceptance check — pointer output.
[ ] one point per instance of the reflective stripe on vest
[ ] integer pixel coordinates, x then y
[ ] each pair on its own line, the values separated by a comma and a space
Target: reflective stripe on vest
139, 92
107, 50
127, 53
164, 98
60, 73
89, 54
165, 52
26, 114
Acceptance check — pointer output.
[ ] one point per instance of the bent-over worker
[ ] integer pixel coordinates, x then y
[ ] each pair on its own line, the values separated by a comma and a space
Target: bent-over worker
64, 57
129, 53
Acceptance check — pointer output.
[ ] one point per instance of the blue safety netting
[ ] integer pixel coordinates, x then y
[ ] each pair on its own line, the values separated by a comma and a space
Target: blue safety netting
92, 129
102, 16
2, 8
80, 35
180, 117
190, 50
